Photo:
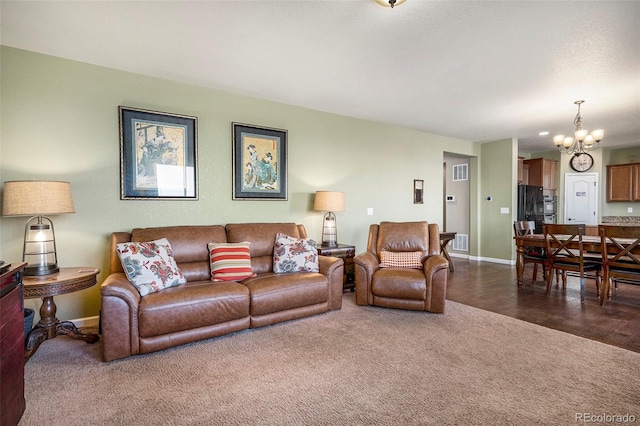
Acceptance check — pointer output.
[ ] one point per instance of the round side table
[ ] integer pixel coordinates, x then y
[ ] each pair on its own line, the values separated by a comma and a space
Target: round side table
67, 280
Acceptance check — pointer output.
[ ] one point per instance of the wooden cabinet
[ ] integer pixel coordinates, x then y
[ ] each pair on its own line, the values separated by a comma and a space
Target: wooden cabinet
12, 402
623, 182
542, 172
346, 252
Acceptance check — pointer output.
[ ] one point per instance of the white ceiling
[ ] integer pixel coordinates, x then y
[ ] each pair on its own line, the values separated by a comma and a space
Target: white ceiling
474, 70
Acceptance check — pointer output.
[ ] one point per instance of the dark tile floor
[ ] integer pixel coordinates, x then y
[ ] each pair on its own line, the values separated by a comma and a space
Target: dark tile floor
492, 287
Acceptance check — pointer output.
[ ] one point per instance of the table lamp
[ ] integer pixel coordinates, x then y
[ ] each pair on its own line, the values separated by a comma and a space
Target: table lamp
329, 201
38, 199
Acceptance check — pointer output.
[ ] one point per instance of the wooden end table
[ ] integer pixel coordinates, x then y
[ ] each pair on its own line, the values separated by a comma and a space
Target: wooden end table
445, 237
67, 280
346, 252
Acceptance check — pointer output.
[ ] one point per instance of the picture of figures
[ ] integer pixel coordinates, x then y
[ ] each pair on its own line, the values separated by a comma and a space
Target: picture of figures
259, 163
158, 155
260, 169
157, 145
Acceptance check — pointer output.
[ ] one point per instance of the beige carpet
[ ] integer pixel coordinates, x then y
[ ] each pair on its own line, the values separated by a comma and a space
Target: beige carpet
357, 366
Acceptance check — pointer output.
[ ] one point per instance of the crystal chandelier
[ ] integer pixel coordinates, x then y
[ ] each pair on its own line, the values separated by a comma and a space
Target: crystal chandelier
582, 141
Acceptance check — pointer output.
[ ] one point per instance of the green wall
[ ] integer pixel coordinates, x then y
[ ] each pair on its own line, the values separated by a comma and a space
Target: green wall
498, 174
60, 121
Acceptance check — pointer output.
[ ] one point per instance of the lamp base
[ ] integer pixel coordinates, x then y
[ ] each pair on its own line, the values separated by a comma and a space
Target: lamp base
35, 270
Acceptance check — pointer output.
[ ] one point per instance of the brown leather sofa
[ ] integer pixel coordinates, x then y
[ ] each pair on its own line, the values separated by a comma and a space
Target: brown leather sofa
201, 309
403, 288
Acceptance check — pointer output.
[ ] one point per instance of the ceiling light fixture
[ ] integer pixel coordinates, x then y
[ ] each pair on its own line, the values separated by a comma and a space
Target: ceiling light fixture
582, 141
390, 3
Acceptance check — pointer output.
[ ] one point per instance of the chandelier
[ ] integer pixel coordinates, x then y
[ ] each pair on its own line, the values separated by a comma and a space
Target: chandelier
582, 141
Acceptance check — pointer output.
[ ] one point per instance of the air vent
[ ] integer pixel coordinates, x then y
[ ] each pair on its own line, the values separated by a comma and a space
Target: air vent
460, 172
461, 242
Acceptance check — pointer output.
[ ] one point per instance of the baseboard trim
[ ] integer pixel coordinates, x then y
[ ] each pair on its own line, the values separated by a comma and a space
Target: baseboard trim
86, 321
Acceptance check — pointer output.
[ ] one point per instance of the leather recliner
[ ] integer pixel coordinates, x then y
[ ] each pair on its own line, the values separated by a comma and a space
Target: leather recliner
402, 288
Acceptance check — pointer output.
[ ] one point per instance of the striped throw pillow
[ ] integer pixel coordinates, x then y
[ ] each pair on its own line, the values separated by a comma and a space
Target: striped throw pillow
230, 261
401, 259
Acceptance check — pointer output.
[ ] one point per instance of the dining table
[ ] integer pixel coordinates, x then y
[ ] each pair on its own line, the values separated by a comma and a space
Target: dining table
590, 244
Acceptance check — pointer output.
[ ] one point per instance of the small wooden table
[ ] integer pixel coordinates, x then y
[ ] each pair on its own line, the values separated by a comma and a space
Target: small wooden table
445, 237
346, 252
67, 280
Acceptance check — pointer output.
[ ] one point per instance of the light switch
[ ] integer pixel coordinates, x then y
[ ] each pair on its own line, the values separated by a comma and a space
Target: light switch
370, 211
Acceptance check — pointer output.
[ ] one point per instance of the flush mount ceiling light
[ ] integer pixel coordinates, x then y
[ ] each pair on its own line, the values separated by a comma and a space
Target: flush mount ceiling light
390, 3
582, 141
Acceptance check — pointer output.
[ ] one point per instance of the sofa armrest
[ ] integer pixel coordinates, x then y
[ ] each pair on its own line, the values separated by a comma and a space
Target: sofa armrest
333, 269
119, 317
365, 264
436, 271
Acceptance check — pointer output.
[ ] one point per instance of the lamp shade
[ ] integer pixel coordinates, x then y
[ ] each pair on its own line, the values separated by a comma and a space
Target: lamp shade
36, 198
329, 201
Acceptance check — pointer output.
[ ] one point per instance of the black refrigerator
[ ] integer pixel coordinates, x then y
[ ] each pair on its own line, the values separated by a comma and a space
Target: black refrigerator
531, 205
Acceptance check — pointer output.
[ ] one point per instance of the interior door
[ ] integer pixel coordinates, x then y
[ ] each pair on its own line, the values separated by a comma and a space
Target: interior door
581, 198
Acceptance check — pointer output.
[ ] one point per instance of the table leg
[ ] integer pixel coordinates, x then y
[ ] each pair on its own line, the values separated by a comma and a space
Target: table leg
520, 265
445, 253
49, 327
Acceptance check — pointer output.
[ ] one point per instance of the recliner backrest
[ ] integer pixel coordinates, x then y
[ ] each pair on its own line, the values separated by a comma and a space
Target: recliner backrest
404, 237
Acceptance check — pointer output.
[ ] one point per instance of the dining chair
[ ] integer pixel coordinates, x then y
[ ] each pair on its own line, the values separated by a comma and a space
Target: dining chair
565, 252
534, 255
618, 260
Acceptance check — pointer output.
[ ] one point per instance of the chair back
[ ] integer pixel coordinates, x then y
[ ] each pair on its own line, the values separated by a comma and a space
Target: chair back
619, 259
523, 227
564, 243
404, 237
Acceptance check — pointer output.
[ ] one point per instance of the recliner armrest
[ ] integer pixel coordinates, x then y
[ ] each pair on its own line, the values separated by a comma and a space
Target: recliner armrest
333, 269
365, 264
433, 264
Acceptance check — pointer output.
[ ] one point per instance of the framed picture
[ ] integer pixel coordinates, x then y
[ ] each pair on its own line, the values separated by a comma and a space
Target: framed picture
418, 185
259, 163
158, 153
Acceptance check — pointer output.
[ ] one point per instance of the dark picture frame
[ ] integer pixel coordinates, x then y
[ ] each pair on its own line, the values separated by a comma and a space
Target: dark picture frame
158, 155
418, 191
259, 163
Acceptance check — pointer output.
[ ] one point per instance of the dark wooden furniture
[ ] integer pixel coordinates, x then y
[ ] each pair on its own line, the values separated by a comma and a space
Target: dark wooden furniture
542, 172
534, 255
445, 237
619, 262
12, 402
565, 251
346, 252
67, 280
623, 182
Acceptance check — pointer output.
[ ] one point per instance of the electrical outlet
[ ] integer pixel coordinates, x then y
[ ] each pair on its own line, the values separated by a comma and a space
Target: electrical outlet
370, 211
629, 209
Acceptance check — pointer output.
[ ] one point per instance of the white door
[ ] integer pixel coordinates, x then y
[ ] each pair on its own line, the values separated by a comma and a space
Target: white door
581, 198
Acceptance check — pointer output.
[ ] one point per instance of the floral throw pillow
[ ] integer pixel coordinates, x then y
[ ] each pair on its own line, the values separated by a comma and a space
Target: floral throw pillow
230, 261
294, 255
404, 259
150, 266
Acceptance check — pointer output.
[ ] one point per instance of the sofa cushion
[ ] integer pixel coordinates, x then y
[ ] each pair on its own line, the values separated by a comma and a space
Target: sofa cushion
278, 292
399, 284
294, 255
401, 259
189, 244
230, 261
262, 237
150, 266
190, 306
